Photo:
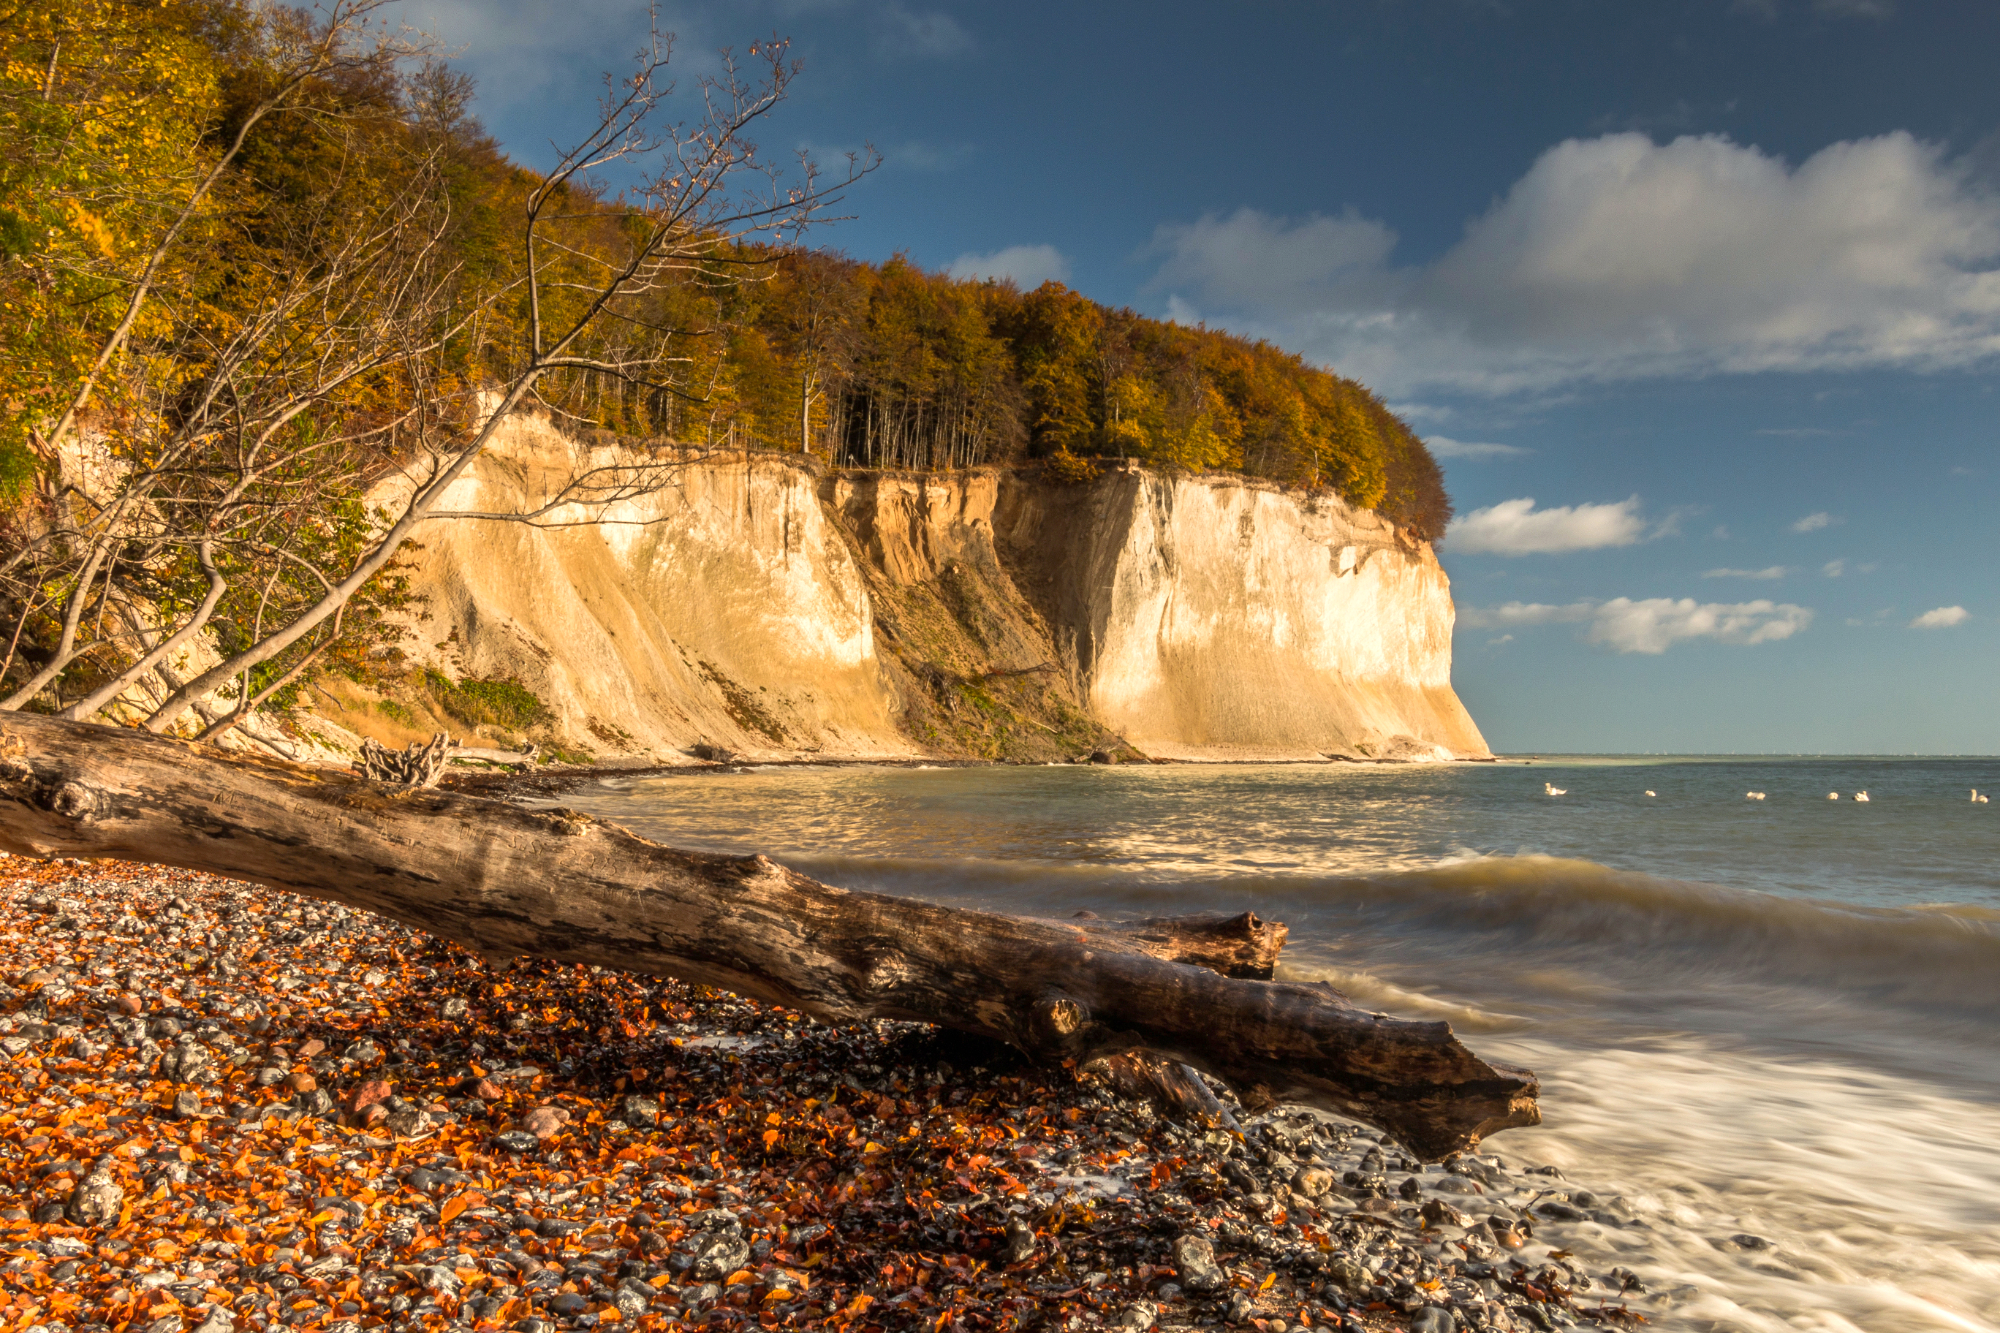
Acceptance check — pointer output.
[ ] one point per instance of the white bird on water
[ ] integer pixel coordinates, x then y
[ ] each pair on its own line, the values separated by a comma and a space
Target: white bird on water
1753, 795
1833, 796
1977, 799
1550, 788
1861, 796
1649, 793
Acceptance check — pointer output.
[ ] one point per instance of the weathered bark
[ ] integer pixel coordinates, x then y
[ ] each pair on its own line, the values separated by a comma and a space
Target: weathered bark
1236, 946
552, 883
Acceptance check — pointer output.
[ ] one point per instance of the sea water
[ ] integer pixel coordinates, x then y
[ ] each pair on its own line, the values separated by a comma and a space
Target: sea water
1777, 1018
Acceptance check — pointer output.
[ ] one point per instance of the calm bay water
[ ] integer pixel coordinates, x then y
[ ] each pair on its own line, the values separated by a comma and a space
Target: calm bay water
1776, 1017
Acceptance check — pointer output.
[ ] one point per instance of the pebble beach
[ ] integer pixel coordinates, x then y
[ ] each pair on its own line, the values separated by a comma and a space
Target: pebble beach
225, 1108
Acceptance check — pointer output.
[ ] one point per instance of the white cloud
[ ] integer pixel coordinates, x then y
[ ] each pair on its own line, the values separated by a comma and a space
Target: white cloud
1654, 624
1944, 617
1771, 572
1814, 522
1445, 447
1510, 614
1833, 569
1027, 266
1618, 257
1516, 527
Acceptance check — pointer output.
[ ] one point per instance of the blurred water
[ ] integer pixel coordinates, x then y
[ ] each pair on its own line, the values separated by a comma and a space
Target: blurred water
1772, 1016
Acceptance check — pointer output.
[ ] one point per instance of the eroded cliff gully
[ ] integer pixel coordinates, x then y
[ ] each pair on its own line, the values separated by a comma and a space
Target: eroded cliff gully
775, 608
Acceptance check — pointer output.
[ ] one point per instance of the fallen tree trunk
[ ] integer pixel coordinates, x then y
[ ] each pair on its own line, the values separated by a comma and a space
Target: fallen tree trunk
506, 881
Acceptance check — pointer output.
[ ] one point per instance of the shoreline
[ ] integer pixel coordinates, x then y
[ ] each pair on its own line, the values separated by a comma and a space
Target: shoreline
556, 779
227, 1108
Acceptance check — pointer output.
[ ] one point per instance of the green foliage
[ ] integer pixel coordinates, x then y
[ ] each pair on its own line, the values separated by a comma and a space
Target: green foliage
502, 703
889, 366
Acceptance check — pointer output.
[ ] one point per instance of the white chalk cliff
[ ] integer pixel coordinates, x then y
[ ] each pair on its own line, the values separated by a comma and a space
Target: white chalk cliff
773, 607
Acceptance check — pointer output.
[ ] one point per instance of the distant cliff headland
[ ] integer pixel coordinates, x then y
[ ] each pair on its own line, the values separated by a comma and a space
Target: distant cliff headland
320, 417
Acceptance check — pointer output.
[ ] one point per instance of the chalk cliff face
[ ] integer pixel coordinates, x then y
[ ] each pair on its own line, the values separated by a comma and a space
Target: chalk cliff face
1215, 619
773, 608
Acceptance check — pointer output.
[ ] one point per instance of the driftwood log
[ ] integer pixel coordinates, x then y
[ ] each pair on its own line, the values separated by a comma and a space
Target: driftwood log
507, 881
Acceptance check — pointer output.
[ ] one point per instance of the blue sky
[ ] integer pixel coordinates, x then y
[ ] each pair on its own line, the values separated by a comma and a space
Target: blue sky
1699, 302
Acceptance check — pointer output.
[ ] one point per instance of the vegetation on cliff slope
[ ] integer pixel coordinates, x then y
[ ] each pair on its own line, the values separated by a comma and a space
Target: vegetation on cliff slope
254, 259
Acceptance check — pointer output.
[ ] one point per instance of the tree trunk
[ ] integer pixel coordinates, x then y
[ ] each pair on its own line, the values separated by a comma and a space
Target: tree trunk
505, 880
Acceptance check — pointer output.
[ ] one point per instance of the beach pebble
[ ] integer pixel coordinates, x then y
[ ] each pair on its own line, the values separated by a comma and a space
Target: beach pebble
97, 1198
1137, 1317
1439, 1213
1194, 1261
1019, 1241
545, 1122
408, 1123
1312, 1181
718, 1254
1432, 1319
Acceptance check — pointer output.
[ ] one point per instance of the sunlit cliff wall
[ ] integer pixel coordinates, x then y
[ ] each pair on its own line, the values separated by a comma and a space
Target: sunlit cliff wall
774, 608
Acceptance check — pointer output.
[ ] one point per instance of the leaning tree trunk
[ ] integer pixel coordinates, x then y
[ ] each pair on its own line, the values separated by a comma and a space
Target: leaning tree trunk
505, 881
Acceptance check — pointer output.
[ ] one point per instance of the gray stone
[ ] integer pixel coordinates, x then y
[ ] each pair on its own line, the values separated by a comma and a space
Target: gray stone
187, 1106
1194, 1260
718, 1254
639, 1112
1137, 1317
516, 1141
456, 1007
408, 1123
1020, 1241
96, 1200
633, 1299
569, 1303
1350, 1275
217, 1321
1431, 1319
1240, 1309
1312, 1181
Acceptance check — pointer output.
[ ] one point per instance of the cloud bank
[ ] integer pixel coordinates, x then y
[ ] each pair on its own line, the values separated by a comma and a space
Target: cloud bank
1516, 527
1944, 617
1620, 258
1768, 572
1654, 624
1028, 266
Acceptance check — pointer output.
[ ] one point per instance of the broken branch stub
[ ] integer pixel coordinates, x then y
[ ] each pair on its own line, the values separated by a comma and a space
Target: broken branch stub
418, 764
504, 880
